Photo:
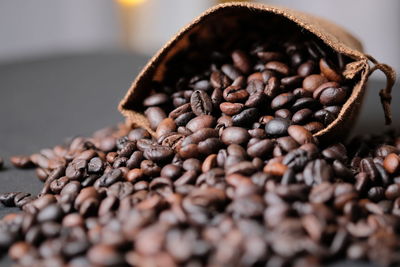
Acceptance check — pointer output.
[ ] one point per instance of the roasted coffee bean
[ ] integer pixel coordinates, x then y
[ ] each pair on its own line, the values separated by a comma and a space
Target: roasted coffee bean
22, 162
138, 133
156, 100
296, 159
7, 199
283, 113
300, 134
231, 108
306, 69
282, 101
317, 172
52, 212
279, 67
302, 115
328, 71
155, 115
201, 103
218, 80
204, 121
392, 163
312, 82
245, 118
324, 116
105, 255
159, 153
235, 94
110, 177
241, 61
277, 127
331, 95
260, 149
230, 71
210, 146
76, 170
95, 165
235, 135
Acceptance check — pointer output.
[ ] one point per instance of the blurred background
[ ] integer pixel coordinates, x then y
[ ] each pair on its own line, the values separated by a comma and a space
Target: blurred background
42, 28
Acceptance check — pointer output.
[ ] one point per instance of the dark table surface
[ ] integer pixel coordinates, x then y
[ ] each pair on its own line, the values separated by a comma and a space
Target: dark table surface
44, 101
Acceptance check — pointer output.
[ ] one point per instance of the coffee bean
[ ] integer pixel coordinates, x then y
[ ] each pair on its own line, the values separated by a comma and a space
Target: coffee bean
392, 163
231, 108
235, 94
105, 255
156, 100
95, 165
317, 172
279, 67
312, 82
261, 148
282, 100
22, 162
159, 153
277, 127
201, 103
306, 69
230, 71
328, 71
241, 61
321, 193
218, 80
300, 134
203, 121
246, 117
235, 135
210, 146
52, 212
155, 115
302, 115
331, 95
138, 133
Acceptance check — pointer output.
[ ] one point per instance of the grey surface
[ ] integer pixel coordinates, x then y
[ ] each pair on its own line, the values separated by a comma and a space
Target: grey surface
43, 102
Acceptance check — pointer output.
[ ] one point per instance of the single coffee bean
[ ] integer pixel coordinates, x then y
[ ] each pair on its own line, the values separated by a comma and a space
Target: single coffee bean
241, 61
201, 103
235, 94
231, 108
22, 162
246, 117
328, 71
156, 100
235, 135
203, 121
279, 67
282, 101
392, 163
300, 134
312, 82
155, 115
277, 127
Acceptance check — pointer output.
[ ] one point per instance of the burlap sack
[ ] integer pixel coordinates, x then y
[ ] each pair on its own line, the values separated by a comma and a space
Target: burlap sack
332, 35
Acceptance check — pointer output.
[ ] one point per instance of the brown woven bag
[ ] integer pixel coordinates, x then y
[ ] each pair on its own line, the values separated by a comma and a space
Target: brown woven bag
335, 37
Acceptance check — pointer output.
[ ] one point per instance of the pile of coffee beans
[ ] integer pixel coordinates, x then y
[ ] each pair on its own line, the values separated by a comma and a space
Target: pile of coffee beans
230, 176
264, 87
122, 198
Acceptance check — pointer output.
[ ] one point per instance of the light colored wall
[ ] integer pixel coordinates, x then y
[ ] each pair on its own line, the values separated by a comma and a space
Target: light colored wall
39, 27
375, 22
31, 28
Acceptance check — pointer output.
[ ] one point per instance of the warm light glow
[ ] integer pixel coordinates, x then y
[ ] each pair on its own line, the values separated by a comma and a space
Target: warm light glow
130, 2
